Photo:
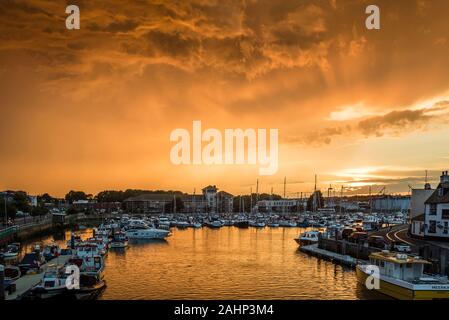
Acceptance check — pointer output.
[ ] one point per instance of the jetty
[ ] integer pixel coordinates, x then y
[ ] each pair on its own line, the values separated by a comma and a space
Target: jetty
25, 283
329, 255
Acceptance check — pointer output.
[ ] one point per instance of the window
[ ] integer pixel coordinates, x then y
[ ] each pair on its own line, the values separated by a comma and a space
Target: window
432, 226
445, 214
433, 209
445, 230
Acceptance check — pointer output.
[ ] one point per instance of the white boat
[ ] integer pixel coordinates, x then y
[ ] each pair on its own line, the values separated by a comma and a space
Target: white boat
52, 284
197, 225
214, 224
401, 276
11, 252
150, 233
308, 238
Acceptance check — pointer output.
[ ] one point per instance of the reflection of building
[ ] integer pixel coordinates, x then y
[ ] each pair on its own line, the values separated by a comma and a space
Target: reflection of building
436, 215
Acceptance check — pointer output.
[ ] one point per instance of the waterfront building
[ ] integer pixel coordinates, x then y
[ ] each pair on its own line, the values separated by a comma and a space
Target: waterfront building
210, 201
436, 214
418, 199
281, 205
83, 205
148, 203
390, 203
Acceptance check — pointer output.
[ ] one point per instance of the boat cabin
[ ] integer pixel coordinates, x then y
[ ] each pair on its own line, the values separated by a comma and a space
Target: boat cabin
398, 265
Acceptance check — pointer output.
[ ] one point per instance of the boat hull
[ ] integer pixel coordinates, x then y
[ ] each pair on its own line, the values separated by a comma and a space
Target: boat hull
402, 293
147, 234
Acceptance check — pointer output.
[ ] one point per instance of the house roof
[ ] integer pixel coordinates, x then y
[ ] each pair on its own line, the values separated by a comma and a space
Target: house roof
225, 194
435, 198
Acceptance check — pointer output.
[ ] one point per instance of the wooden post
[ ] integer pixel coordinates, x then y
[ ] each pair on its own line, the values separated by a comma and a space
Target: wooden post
2, 279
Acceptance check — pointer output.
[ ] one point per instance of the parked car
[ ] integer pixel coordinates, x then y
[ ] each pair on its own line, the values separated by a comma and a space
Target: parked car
358, 237
377, 242
400, 247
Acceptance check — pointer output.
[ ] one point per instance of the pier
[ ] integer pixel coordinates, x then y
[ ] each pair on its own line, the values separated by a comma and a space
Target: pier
329, 255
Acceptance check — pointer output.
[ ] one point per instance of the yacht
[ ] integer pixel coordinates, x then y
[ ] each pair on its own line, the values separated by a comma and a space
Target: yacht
139, 229
402, 277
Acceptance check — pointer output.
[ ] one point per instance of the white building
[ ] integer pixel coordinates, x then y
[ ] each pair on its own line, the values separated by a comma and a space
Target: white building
418, 199
276, 205
436, 216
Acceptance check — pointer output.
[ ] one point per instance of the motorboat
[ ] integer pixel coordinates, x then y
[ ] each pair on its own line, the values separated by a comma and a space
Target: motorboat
12, 251
138, 229
401, 276
12, 273
214, 224
308, 238
197, 225
119, 240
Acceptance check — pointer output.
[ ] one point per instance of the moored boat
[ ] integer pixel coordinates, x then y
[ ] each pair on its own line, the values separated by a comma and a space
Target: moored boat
401, 276
308, 238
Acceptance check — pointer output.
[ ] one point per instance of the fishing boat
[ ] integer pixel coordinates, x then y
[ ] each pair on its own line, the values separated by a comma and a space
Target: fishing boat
401, 276
308, 238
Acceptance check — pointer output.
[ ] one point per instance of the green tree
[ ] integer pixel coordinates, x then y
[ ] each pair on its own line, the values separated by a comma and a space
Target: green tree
39, 211
11, 209
75, 196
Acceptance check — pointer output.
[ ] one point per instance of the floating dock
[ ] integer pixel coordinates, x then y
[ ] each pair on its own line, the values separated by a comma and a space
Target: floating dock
329, 255
25, 283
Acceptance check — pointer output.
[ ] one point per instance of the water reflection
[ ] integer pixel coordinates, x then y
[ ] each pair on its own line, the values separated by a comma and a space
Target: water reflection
226, 263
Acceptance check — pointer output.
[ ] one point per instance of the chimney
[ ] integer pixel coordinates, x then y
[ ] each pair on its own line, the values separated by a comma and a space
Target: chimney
444, 177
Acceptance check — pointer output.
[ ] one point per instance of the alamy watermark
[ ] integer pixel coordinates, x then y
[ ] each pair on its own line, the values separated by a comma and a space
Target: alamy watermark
73, 277
231, 150
373, 280
72, 21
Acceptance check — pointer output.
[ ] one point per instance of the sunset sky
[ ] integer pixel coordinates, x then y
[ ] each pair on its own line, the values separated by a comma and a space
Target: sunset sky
92, 109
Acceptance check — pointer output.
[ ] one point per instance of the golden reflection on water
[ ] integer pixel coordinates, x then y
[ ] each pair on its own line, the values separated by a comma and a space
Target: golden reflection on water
226, 263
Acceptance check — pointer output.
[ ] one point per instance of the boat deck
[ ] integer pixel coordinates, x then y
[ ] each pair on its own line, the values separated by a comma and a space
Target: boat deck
25, 283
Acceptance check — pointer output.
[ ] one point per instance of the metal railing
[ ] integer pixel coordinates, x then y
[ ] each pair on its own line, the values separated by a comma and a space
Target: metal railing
8, 231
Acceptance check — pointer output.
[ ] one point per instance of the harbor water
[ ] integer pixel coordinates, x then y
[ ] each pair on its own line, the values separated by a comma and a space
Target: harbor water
225, 263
